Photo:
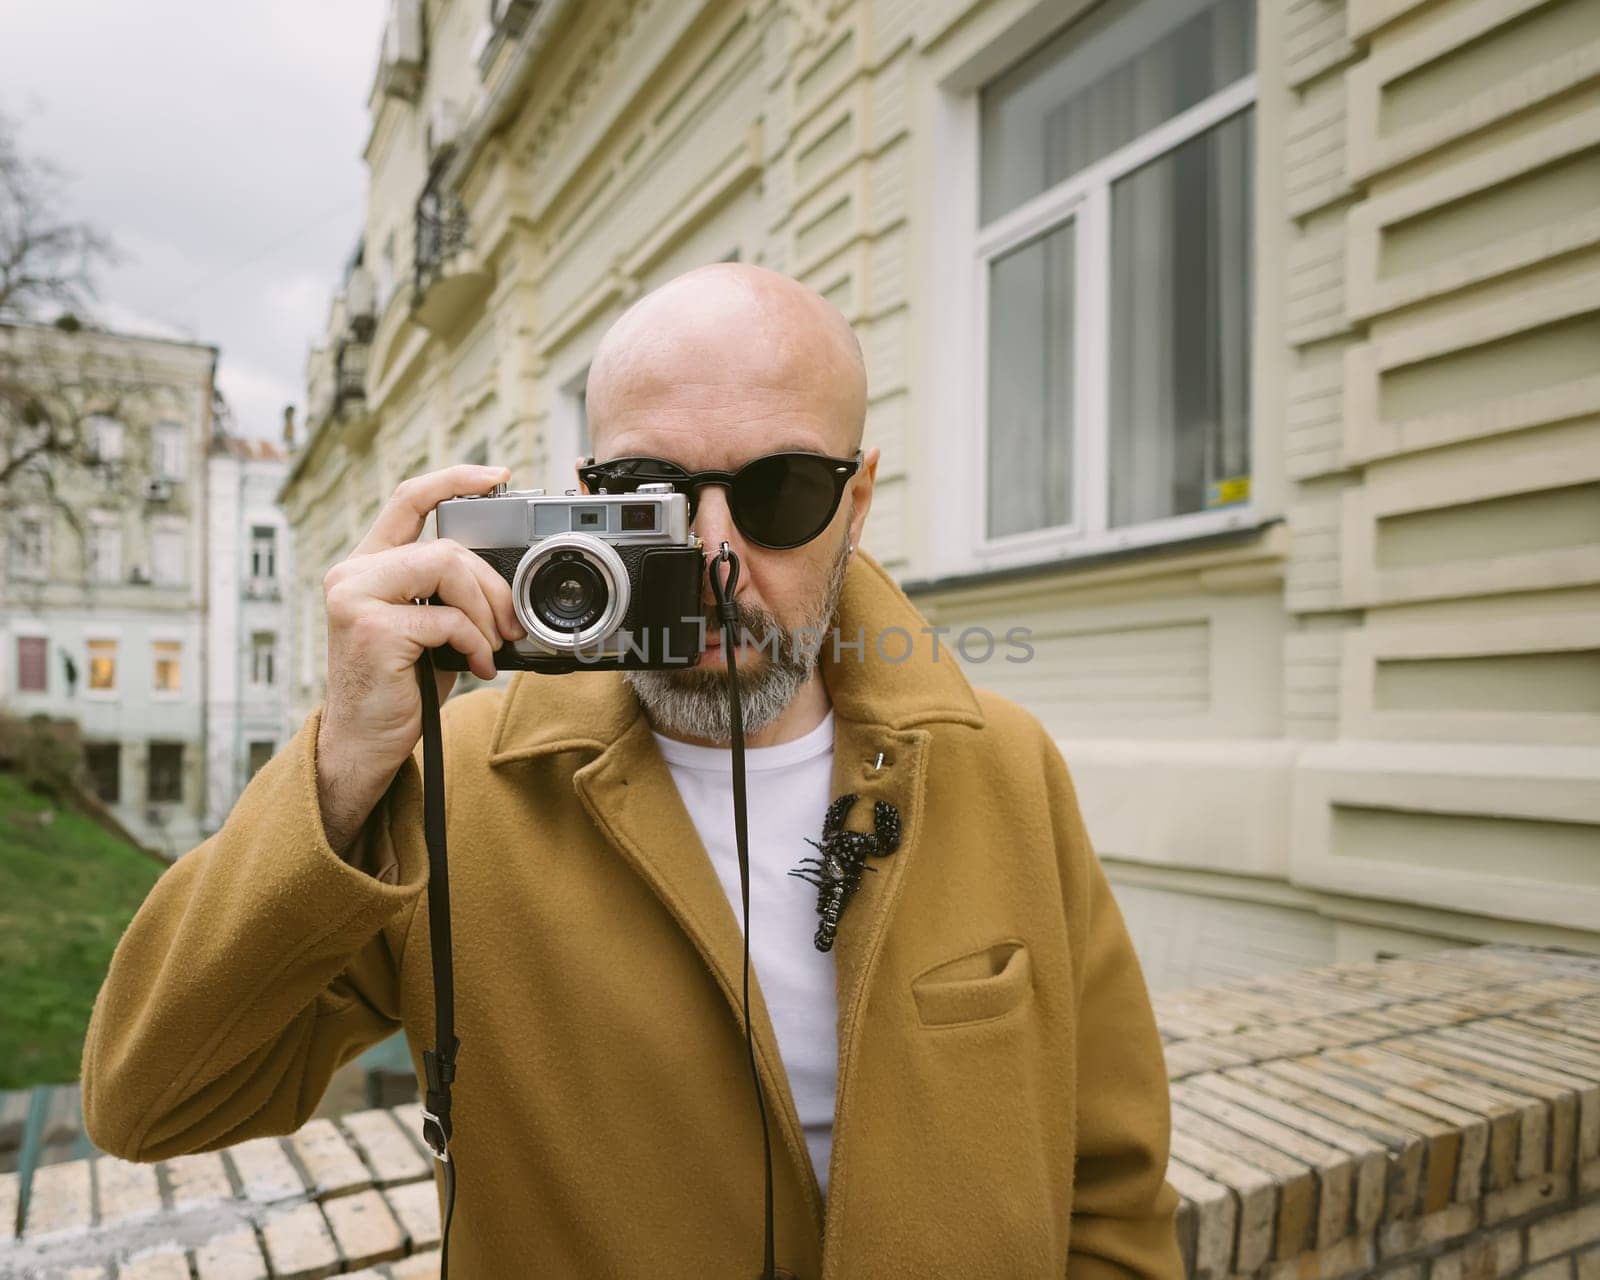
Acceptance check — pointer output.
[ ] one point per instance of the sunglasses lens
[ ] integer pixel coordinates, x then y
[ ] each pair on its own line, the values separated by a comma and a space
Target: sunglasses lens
784, 500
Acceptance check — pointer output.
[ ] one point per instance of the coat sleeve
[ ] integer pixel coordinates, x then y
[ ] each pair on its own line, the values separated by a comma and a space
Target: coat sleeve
1123, 1210
259, 963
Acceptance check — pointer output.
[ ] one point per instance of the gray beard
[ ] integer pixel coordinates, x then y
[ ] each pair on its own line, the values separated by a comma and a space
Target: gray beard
693, 703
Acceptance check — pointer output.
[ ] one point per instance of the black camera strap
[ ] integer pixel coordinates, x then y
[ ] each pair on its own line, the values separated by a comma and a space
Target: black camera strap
439, 1063
727, 615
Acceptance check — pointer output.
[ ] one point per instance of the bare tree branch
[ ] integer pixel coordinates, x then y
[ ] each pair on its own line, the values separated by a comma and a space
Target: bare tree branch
46, 259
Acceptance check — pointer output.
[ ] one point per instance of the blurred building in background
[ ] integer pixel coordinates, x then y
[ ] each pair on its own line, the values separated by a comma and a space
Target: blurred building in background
102, 580
143, 575
1250, 355
247, 621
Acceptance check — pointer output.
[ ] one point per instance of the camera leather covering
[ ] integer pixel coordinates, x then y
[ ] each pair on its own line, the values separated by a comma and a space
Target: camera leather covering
664, 614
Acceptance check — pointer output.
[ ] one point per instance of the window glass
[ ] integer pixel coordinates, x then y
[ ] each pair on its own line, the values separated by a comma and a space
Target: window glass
1102, 82
1030, 385
167, 673
33, 673
167, 450
260, 753
164, 775
262, 647
102, 664
1122, 295
1180, 329
167, 555
104, 437
103, 760
263, 552
29, 548
105, 552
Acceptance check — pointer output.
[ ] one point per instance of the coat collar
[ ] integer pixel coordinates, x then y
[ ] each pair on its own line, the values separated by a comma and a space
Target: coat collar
590, 710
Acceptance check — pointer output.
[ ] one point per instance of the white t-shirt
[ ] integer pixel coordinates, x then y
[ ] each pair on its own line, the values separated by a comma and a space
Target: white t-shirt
787, 790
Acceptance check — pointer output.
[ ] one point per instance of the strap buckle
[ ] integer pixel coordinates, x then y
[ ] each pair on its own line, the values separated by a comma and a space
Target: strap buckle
440, 1145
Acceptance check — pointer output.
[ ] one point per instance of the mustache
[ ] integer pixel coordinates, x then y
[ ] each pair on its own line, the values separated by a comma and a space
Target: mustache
748, 619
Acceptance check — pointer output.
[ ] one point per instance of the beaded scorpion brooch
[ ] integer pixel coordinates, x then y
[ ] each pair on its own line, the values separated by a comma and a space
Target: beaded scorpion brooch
836, 872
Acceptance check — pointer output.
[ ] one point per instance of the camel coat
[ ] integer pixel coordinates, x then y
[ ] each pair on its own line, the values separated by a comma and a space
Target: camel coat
1002, 1103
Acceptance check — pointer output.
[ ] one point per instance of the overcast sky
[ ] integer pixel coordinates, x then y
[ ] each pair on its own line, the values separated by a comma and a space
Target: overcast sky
218, 143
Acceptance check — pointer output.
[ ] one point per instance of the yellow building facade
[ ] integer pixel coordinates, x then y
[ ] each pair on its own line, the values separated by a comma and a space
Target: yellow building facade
1246, 353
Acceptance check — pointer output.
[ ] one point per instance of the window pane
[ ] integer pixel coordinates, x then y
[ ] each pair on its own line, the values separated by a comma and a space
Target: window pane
32, 656
1030, 385
262, 645
1126, 68
29, 550
167, 461
105, 553
1180, 329
105, 439
102, 664
263, 551
168, 674
164, 778
260, 753
104, 763
166, 549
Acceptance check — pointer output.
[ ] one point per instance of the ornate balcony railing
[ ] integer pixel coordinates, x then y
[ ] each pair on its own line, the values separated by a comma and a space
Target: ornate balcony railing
451, 281
350, 375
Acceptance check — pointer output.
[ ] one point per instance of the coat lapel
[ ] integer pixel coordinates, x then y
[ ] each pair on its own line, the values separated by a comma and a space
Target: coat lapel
631, 797
880, 753
865, 922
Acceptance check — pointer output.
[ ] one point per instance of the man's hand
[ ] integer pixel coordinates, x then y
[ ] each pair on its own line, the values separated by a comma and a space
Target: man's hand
372, 717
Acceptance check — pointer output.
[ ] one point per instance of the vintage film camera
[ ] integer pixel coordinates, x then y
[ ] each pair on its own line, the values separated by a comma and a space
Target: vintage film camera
598, 580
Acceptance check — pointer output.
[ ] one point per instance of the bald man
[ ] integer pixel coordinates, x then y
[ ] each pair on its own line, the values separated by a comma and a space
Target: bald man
961, 1071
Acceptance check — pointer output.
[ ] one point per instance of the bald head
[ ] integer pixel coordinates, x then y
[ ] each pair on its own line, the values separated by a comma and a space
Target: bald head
724, 351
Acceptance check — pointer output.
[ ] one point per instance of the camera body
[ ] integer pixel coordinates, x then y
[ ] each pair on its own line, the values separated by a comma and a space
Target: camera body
598, 581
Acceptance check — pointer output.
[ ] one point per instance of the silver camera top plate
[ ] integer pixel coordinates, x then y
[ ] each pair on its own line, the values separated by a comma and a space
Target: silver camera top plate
524, 517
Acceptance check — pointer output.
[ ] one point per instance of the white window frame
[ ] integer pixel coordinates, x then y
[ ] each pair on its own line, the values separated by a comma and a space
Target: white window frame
104, 429
271, 650
167, 438
271, 543
172, 528
957, 532
102, 523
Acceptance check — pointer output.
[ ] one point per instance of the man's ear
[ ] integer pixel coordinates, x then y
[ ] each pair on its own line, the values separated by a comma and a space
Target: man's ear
861, 493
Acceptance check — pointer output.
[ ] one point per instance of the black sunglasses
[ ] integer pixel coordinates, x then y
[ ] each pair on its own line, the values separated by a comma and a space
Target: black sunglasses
778, 501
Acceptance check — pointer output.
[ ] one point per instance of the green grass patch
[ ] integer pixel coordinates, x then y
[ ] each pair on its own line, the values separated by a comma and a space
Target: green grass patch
67, 890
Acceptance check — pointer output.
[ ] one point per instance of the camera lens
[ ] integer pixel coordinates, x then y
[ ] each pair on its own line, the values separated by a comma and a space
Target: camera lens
567, 593
569, 597
570, 593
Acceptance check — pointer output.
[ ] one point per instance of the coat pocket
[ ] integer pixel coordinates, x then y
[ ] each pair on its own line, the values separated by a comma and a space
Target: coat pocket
977, 987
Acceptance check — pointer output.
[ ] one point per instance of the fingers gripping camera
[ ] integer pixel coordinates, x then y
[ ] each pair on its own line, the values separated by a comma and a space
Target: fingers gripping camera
598, 581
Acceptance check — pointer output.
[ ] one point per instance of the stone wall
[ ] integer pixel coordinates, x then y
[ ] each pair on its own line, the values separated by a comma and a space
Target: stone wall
1435, 1118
